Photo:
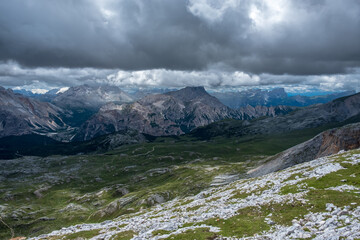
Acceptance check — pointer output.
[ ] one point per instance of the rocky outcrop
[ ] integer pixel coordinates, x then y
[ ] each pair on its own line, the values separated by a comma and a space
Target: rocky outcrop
324, 144
21, 115
172, 113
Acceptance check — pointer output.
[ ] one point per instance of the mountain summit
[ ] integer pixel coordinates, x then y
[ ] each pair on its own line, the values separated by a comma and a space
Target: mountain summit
189, 93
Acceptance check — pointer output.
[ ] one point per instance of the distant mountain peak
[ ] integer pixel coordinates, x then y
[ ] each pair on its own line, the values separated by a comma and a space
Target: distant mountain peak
189, 93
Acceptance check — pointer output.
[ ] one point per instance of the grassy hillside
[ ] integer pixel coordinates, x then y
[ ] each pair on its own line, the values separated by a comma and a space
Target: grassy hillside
318, 198
41, 194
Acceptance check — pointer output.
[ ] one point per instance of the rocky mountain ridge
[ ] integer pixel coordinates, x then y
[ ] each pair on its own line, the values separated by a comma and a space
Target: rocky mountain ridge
172, 113
274, 97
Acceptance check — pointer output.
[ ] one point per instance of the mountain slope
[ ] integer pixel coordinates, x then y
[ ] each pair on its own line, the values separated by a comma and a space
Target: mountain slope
172, 113
21, 115
324, 144
315, 199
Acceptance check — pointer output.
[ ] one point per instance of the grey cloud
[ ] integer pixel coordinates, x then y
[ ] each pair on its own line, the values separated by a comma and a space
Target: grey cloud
14, 75
262, 36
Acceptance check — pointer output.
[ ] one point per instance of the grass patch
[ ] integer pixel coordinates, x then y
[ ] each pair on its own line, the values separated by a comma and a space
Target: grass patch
294, 176
194, 208
249, 221
289, 189
283, 214
127, 235
338, 178
318, 199
198, 233
83, 234
240, 195
160, 232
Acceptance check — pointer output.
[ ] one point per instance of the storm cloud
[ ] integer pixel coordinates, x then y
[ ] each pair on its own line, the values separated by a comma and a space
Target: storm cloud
261, 36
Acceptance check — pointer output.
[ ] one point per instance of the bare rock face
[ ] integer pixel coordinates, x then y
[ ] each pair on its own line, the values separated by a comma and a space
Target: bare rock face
172, 113
324, 144
21, 115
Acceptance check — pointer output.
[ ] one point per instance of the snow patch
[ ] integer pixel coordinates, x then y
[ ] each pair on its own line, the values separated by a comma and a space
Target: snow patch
61, 90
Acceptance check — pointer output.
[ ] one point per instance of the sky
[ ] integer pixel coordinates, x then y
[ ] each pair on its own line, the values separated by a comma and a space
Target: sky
302, 46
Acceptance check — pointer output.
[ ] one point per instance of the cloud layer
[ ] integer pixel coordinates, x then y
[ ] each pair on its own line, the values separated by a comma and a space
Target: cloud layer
13, 75
257, 37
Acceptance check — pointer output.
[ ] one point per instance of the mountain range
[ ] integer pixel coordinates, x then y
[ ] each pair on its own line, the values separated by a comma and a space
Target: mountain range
274, 97
84, 112
171, 113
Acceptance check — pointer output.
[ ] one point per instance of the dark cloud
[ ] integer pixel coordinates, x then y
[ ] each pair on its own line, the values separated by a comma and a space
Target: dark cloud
261, 36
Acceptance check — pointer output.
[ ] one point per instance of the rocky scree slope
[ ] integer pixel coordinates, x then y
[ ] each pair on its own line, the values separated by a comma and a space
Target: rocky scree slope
324, 144
21, 115
317, 199
172, 113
